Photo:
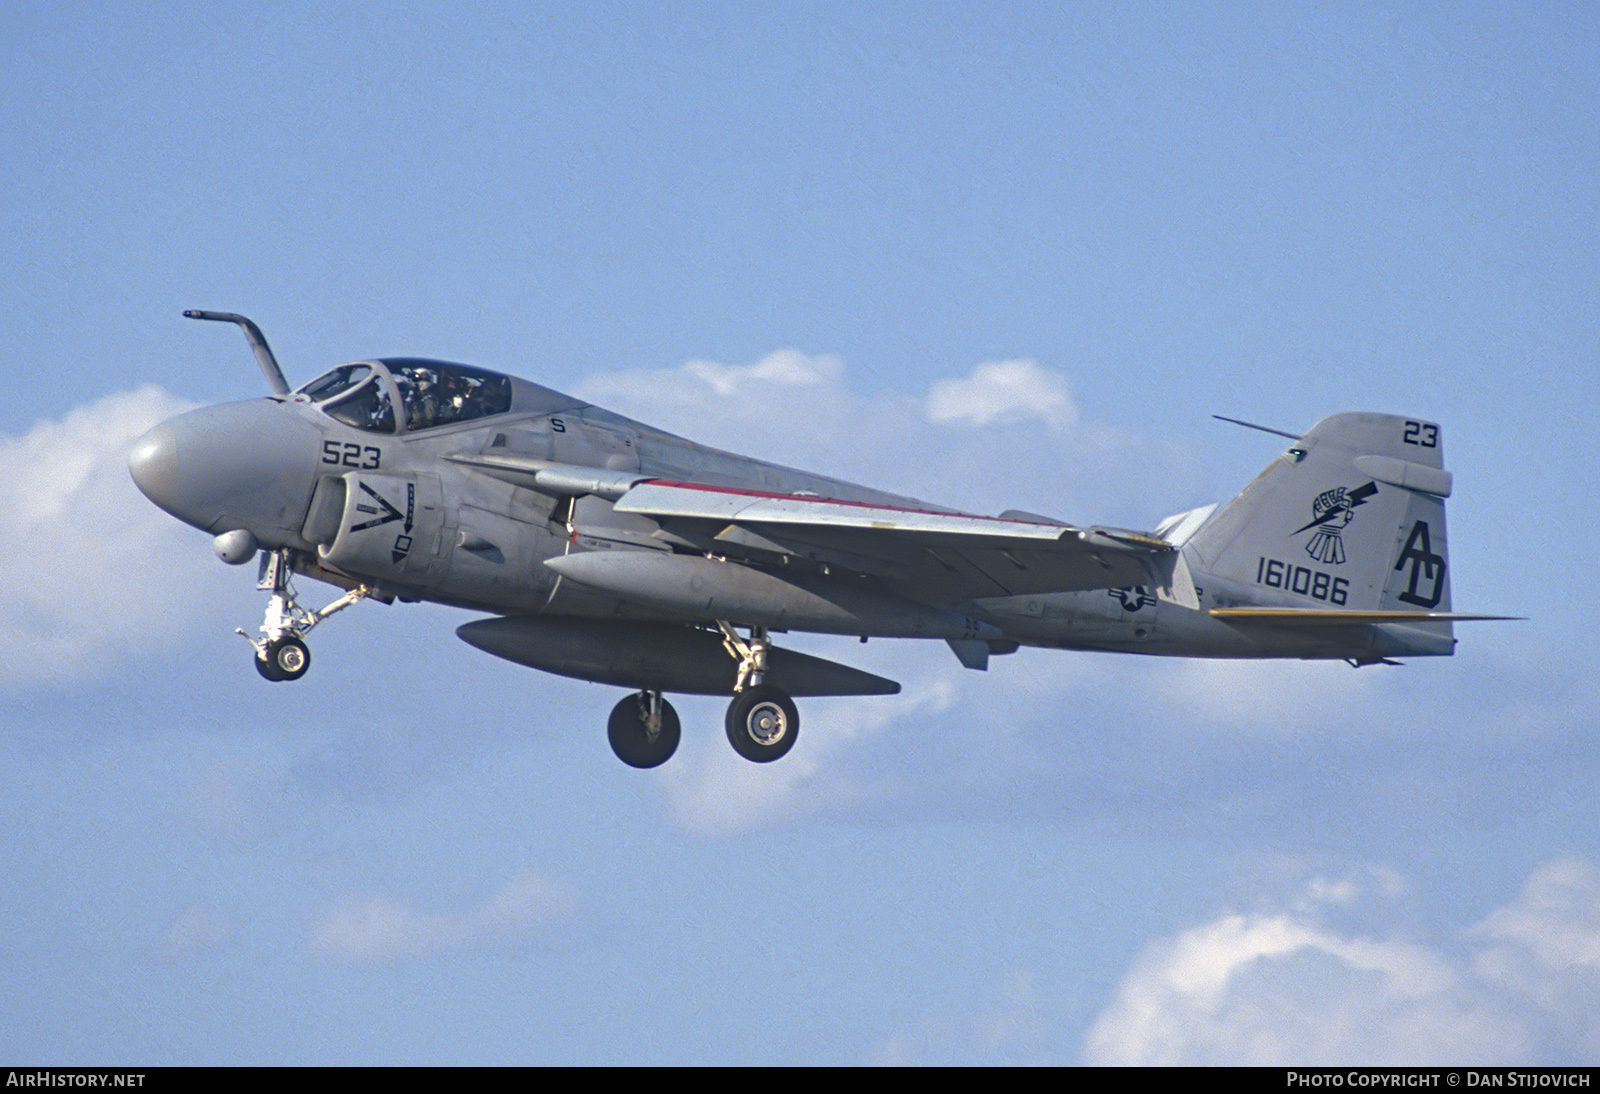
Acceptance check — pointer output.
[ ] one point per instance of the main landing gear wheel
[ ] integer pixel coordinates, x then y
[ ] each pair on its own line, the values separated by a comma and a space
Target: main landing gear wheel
644, 730
285, 659
762, 723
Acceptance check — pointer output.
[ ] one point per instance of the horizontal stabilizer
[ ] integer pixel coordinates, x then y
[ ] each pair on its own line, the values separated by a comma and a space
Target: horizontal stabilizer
1311, 617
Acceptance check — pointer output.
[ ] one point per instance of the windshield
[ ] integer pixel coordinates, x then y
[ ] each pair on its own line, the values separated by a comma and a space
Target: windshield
432, 393
356, 395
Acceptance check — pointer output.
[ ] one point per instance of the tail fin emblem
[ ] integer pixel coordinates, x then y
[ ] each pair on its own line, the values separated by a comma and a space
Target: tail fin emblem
1331, 511
1425, 567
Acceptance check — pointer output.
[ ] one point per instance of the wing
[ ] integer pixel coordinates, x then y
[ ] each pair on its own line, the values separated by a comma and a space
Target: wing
927, 555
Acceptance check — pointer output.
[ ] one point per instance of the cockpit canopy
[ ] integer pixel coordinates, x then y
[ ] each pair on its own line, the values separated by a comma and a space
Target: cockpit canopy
429, 394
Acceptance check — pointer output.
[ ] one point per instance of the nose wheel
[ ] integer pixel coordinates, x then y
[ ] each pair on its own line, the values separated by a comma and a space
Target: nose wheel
285, 659
281, 652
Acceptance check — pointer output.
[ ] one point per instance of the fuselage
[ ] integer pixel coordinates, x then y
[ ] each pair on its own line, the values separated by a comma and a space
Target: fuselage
421, 479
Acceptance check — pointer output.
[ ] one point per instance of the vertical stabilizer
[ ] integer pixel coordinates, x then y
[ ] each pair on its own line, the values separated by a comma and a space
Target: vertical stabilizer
1350, 517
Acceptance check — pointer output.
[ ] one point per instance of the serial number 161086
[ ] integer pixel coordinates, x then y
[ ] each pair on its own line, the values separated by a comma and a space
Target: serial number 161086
1318, 584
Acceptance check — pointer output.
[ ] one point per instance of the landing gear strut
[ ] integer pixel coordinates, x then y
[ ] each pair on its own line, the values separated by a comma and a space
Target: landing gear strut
644, 730
281, 652
762, 720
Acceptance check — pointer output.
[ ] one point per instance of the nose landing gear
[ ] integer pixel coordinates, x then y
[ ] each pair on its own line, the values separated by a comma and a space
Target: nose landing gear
281, 652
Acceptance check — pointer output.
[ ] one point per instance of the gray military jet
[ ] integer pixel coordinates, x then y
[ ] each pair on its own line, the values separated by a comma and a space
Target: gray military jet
610, 551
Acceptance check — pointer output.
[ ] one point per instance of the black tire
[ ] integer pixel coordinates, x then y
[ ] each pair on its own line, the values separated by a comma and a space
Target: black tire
268, 670
762, 723
287, 659
632, 742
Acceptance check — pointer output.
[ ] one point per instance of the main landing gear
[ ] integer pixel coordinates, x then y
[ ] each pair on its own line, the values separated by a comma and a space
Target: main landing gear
281, 652
644, 730
762, 721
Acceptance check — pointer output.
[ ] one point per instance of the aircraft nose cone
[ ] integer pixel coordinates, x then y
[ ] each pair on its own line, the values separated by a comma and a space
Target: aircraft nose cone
238, 466
154, 466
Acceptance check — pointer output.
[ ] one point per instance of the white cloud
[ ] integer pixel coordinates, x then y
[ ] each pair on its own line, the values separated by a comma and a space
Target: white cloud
383, 927
780, 376
1546, 945
784, 367
1342, 892
1277, 988
1004, 391
1556, 919
88, 568
1218, 992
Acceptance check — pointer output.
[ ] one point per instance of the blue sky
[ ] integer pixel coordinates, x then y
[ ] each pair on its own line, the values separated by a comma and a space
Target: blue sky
995, 256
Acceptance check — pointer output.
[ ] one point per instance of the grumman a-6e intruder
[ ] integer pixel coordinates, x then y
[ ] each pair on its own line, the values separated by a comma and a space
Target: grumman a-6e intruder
610, 551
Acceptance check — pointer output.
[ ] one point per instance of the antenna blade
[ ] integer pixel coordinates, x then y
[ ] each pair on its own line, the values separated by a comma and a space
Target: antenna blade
1263, 428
